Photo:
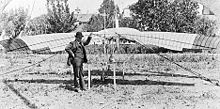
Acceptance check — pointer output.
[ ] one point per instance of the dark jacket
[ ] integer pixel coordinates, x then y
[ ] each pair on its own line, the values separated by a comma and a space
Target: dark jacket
77, 49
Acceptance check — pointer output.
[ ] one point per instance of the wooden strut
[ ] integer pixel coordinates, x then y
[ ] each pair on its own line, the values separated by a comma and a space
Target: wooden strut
89, 76
123, 71
114, 73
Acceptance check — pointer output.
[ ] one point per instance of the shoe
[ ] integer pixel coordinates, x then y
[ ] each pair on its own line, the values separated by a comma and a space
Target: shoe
84, 89
69, 87
79, 91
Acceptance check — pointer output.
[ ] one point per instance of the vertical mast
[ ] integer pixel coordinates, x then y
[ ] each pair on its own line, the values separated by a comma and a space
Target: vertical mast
3, 4
116, 26
116, 16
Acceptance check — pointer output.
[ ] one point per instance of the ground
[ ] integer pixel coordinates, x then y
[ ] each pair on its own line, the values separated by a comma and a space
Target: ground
42, 88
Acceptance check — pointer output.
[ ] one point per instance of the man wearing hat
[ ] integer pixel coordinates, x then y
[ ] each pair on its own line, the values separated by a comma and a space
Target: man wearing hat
77, 56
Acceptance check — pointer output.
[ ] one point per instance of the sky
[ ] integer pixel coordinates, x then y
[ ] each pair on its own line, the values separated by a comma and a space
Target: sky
86, 6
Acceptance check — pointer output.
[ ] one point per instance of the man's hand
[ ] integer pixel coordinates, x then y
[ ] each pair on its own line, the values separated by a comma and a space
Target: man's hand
88, 39
68, 62
90, 35
71, 54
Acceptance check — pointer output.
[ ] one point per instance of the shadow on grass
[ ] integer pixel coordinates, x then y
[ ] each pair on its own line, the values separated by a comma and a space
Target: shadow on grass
38, 73
146, 73
66, 84
119, 81
107, 81
120, 73
154, 73
141, 82
52, 81
25, 100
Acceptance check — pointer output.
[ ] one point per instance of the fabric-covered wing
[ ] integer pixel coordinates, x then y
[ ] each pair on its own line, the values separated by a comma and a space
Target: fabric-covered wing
55, 42
172, 41
42, 43
176, 41
168, 40
203, 42
14, 45
39, 43
114, 32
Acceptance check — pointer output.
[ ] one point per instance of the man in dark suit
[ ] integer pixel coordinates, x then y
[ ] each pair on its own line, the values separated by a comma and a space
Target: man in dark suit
77, 56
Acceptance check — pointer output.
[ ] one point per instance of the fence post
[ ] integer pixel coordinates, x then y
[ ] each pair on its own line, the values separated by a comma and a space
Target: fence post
114, 76
89, 77
218, 63
123, 71
103, 71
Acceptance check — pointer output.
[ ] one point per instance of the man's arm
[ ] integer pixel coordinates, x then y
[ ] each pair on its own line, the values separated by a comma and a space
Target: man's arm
69, 48
88, 40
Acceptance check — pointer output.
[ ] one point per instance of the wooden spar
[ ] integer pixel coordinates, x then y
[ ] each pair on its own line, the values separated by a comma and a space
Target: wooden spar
89, 77
114, 73
123, 71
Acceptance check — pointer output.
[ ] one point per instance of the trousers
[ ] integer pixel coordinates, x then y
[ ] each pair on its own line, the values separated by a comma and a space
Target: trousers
78, 72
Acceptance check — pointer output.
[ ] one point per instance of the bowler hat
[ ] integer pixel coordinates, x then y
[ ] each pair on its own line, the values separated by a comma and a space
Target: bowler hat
79, 34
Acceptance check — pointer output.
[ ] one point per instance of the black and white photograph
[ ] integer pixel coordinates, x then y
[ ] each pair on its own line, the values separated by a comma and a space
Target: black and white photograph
109, 54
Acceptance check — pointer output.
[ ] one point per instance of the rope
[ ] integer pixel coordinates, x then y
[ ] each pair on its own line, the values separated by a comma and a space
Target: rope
15, 70
32, 8
28, 19
187, 69
100, 35
3, 5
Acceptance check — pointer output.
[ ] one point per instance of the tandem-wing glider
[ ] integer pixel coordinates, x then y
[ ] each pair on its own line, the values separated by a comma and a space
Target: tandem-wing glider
57, 42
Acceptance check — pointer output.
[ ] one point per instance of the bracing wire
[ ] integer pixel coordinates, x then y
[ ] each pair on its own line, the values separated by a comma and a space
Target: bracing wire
28, 19
160, 38
189, 70
3, 5
171, 40
213, 81
100, 35
15, 70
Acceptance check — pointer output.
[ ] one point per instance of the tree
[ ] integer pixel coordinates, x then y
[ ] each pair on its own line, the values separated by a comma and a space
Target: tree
105, 18
162, 15
179, 16
3, 4
95, 24
128, 22
38, 25
14, 22
205, 26
184, 15
59, 17
109, 10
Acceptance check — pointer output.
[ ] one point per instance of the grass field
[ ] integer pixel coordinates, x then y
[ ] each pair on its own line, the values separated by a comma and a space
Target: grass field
150, 82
